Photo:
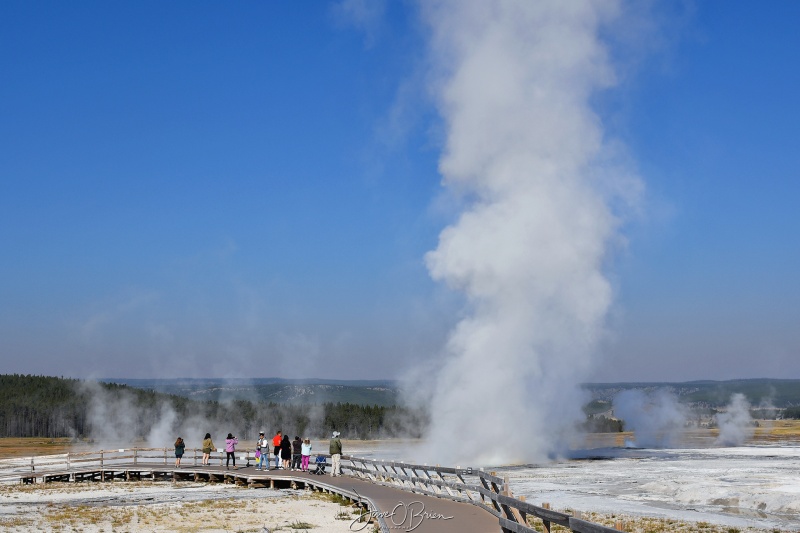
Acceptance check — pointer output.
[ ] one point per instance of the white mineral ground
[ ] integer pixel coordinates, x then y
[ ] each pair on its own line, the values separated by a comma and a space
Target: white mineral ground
752, 486
749, 488
180, 507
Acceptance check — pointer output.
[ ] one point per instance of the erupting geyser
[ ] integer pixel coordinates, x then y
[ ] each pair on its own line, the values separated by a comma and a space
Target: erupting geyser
542, 189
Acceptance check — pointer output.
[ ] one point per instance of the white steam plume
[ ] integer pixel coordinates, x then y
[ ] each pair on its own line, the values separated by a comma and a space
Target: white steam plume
541, 183
735, 423
163, 429
110, 417
657, 419
116, 420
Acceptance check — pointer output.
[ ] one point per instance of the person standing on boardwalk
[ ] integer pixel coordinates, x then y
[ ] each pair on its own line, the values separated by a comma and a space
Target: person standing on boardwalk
180, 446
305, 452
230, 450
336, 454
286, 451
208, 447
297, 446
262, 447
276, 444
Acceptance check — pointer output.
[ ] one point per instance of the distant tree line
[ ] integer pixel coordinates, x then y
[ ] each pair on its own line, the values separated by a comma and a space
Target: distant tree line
792, 412
40, 406
37, 406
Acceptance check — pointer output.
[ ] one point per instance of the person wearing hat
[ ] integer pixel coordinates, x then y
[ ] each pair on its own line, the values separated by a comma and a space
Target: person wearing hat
262, 447
336, 454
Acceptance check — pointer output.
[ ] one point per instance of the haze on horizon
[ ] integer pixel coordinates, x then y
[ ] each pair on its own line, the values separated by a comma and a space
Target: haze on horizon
250, 190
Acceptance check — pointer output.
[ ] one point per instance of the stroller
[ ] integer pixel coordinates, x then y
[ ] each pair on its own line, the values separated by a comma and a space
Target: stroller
320, 465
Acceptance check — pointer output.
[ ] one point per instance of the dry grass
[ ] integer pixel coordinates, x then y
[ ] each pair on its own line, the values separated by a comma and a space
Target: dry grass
16, 522
15, 490
770, 430
23, 447
156, 517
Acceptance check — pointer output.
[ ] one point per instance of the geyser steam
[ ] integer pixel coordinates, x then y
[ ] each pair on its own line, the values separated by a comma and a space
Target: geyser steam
657, 418
528, 156
735, 423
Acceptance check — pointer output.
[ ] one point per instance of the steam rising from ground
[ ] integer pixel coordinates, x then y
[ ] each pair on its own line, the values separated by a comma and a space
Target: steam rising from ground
657, 419
118, 417
528, 156
735, 423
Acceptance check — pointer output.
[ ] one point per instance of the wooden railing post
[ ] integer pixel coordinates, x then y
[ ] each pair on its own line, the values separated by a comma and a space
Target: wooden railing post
546, 523
511, 512
194, 455
165, 456
136, 456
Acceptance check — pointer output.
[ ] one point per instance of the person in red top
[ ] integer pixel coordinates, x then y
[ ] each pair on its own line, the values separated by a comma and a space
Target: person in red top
276, 444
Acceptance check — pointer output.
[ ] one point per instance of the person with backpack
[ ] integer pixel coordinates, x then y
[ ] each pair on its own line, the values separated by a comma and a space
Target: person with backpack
180, 447
336, 455
262, 449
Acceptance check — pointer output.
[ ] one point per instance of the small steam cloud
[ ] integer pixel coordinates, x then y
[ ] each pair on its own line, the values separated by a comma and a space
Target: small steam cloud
117, 418
110, 417
735, 423
164, 428
657, 419
543, 192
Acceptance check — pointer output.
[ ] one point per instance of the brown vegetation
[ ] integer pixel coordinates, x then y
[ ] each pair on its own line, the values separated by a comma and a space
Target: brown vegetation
23, 447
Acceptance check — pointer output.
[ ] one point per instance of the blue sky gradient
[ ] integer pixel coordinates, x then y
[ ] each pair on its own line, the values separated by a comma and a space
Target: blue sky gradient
249, 189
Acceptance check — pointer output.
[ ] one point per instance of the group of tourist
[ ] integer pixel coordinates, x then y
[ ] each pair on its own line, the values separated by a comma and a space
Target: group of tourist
292, 455
289, 455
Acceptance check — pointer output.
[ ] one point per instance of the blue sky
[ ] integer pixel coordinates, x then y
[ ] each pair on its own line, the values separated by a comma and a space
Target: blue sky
249, 189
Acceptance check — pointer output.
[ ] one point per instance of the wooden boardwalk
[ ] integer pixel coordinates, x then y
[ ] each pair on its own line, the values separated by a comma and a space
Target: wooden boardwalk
399, 509
396, 496
392, 508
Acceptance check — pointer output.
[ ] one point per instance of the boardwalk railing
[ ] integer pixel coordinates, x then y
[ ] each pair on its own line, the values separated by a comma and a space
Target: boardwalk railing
468, 485
15, 467
474, 486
